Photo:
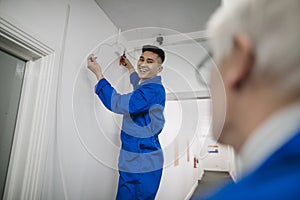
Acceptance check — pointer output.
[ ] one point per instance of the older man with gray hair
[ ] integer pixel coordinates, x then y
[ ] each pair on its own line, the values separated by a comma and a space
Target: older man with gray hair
256, 46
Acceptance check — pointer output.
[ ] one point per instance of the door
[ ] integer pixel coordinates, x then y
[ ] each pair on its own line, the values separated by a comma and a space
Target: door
11, 77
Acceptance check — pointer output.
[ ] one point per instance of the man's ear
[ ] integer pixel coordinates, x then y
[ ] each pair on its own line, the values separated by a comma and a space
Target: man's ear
160, 68
243, 55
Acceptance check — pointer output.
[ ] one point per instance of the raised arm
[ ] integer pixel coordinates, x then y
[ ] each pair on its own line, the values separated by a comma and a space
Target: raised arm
95, 67
127, 64
134, 78
138, 101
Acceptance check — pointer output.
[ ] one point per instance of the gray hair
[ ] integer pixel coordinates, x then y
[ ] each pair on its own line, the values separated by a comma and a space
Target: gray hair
273, 27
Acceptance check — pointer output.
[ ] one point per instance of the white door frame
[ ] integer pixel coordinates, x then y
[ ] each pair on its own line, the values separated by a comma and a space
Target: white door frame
29, 150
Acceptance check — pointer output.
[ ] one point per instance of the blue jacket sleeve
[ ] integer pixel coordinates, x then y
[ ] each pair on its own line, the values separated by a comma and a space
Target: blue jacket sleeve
138, 101
134, 80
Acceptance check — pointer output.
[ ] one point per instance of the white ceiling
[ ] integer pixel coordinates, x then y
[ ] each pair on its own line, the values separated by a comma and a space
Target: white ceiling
184, 16
134, 19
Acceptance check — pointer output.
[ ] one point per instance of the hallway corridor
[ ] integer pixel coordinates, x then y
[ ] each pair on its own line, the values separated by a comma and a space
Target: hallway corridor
209, 181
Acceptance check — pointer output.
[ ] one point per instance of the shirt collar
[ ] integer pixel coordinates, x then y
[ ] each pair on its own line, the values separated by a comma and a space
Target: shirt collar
155, 79
269, 137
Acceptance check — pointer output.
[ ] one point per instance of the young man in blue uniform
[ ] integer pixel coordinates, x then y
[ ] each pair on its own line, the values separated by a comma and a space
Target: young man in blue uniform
256, 45
141, 157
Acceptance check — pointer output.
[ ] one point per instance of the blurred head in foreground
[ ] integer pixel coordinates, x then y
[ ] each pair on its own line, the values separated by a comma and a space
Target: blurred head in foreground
256, 46
256, 95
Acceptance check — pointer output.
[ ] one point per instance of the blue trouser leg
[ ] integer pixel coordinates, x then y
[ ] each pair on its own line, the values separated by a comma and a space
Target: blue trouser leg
138, 186
150, 184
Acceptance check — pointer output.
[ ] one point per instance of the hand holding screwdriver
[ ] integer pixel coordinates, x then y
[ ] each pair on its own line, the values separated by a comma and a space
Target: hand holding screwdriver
126, 63
122, 60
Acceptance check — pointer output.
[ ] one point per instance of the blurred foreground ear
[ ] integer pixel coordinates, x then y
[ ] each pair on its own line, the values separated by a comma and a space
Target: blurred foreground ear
243, 55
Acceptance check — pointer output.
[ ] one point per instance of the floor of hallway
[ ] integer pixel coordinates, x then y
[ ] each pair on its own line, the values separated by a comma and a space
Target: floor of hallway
210, 181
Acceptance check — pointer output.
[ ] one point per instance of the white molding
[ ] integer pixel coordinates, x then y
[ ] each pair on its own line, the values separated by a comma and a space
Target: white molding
234, 178
215, 169
201, 175
39, 135
28, 156
15, 34
190, 194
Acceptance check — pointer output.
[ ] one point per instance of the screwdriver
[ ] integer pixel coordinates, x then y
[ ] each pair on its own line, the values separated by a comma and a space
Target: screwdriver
122, 59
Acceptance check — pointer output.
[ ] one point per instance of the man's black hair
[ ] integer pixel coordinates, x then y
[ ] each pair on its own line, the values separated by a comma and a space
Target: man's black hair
155, 50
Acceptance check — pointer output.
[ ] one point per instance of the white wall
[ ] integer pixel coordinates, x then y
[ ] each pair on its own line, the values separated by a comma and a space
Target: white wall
224, 160
68, 162
227, 3
215, 161
83, 144
184, 121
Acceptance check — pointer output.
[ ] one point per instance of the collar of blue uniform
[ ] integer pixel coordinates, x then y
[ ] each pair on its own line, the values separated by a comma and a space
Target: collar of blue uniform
155, 79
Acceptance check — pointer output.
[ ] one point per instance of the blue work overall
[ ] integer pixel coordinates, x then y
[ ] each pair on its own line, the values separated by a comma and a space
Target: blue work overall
141, 157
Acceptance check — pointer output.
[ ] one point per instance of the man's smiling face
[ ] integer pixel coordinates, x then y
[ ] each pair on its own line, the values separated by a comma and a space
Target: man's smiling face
149, 65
